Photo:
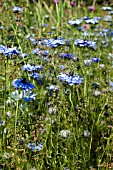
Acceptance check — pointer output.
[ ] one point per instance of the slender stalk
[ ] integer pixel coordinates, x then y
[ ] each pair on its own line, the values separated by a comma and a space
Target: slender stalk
16, 116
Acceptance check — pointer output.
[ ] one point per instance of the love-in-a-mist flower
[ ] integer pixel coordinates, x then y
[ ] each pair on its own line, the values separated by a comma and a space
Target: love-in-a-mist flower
29, 67
33, 147
22, 84
17, 9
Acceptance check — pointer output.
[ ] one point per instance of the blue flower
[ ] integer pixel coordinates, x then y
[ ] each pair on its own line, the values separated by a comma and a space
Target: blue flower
11, 51
106, 8
44, 25
70, 79
61, 67
8, 51
34, 148
110, 13
23, 55
91, 21
25, 95
36, 51
80, 42
23, 84
2, 123
37, 77
76, 22
28, 96
107, 18
2, 48
92, 44
95, 59
17, 9
111, 84
86, 43
40, 52
29, 67
66, 55
54, 42
53, 87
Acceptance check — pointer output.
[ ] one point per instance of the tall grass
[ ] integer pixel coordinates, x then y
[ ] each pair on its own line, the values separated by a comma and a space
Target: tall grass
70, 125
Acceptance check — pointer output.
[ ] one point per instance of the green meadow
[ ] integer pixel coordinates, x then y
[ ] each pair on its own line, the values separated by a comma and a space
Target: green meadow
56, 85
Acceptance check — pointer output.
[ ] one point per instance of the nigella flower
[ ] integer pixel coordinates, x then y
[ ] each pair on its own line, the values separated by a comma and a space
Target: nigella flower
87, 62
29, 67
86, 133
64, 55
110, 13
76, 22
95, 59
23, 95
92, 44
80, 42
54, 42
53, 87
2, 48
62, 67
17, 9
40, 52
2, 123
87, 43
107, 18
8, 51
23, 84
70, 79
34, 148
36, 51
23, 55
106, 8
11, 51
111, 84
65, 133
91, 21
44, 25
36, 76
28, 96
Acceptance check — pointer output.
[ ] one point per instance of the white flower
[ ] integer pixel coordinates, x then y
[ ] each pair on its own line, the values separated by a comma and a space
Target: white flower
65, 133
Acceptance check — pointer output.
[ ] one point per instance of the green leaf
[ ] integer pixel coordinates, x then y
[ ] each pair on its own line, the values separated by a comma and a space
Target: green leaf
2, 78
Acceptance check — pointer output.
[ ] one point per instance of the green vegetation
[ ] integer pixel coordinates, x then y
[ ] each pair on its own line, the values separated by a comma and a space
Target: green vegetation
56, 86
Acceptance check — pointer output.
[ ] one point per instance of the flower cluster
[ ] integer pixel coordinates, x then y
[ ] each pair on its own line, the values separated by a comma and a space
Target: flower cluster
70, 79
29, 67
86, 43
22, 84
54, 42
17, 9
8, 51
34, 148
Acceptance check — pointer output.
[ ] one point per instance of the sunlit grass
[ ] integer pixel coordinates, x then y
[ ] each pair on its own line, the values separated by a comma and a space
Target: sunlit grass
67, 126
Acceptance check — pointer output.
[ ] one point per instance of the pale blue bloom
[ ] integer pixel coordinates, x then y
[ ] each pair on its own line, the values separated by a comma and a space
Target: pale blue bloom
76, 22
70, 79
23, 84
29, 67
17, 9
106, 8
34, 148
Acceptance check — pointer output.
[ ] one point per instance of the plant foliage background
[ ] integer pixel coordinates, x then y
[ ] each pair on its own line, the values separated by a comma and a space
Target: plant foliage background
56, 85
